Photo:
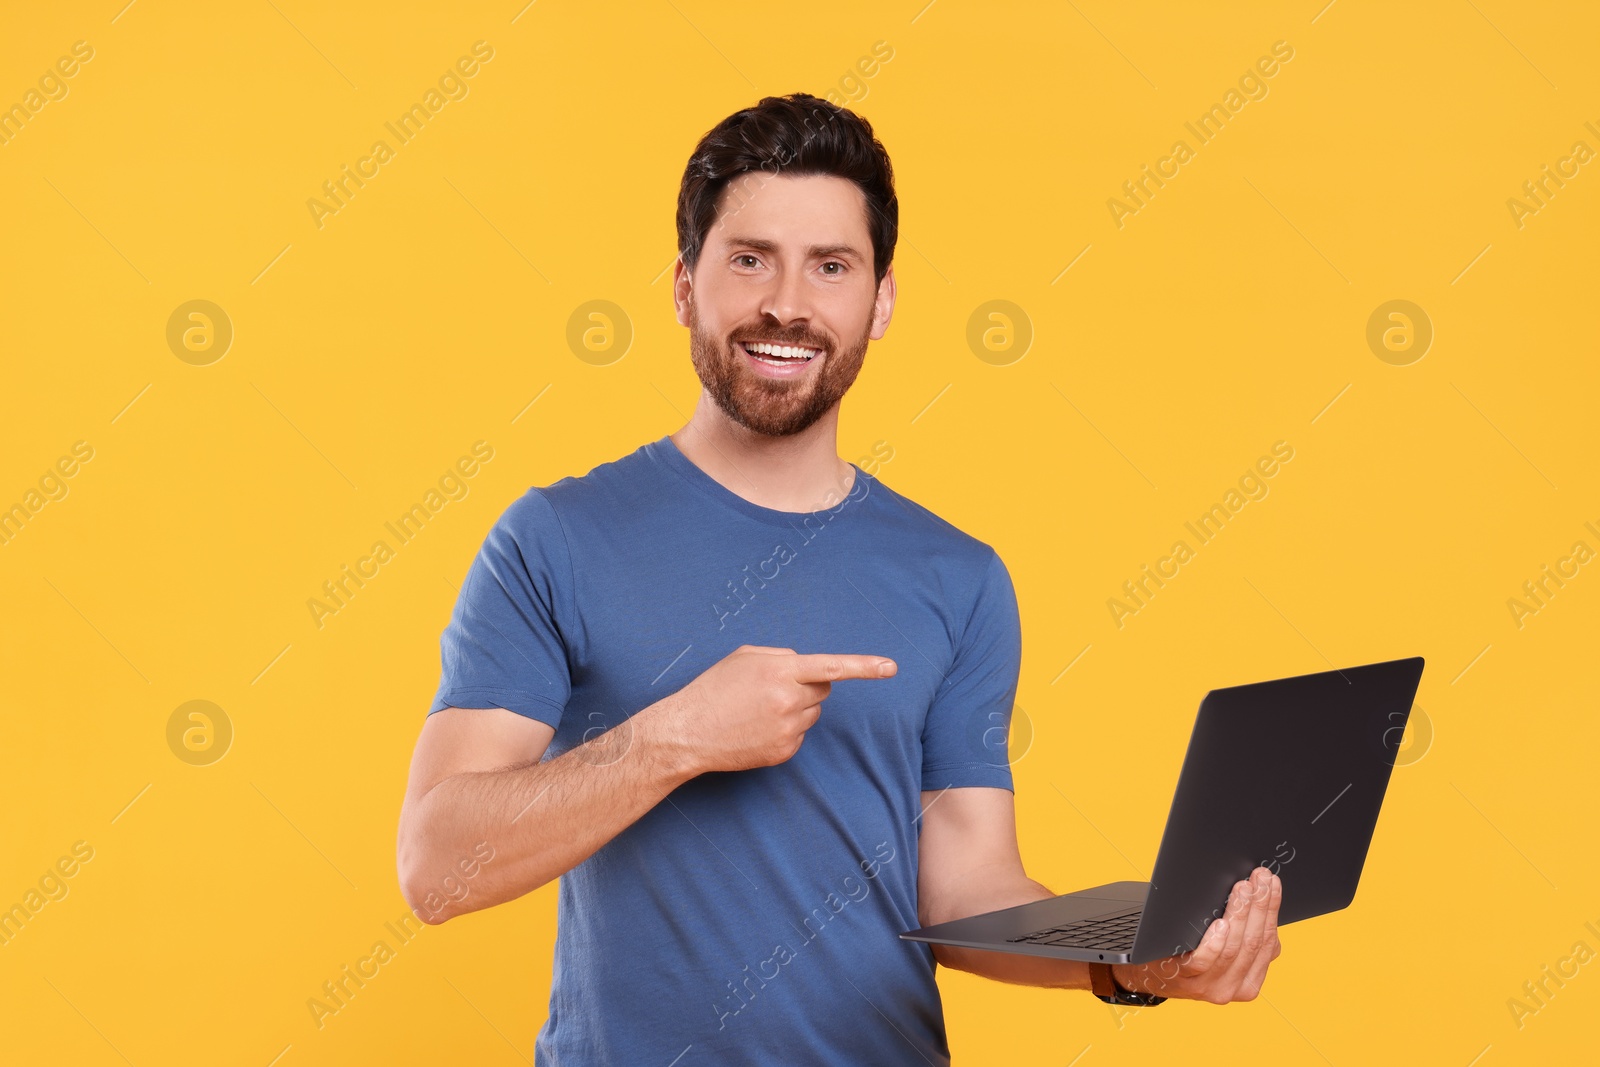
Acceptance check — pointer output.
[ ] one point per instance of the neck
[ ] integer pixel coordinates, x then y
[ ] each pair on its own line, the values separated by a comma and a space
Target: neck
800, 473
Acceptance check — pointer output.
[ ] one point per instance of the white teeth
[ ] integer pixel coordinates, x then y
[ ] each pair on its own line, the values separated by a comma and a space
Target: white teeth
782, 352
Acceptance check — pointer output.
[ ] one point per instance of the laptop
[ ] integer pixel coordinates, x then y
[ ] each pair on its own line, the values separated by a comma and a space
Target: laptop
1286, 774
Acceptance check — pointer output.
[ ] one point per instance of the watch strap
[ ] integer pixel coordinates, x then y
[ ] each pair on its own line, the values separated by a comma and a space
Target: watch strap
1103, 983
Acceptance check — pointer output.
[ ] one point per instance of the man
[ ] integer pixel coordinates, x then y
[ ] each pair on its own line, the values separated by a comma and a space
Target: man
741, 696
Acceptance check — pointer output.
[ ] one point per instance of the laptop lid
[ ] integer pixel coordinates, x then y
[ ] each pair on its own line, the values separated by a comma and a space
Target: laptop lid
1287, 774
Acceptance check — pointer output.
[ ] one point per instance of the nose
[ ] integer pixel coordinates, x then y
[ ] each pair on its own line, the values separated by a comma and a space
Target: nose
787, 299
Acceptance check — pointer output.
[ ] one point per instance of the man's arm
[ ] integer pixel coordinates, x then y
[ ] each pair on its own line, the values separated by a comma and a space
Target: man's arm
970, 864
477, 774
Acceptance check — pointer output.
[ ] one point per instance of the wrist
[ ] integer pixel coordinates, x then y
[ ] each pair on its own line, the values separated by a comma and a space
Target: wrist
660, 739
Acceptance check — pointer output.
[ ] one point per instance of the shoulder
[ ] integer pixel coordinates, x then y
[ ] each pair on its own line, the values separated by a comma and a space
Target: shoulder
930, 534
543, 532
604, 490
964, 572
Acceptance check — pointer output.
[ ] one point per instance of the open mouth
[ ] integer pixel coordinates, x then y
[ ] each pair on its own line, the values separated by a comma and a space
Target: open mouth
779, 355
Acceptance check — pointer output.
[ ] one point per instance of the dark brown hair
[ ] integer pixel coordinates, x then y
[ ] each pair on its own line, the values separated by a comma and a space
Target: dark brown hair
798, 134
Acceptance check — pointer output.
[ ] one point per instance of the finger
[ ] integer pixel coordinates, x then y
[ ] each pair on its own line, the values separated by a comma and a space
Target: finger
1205, 954
826, 667
1238, 915
768, 649
1257, 975
1253, 943
1274, 902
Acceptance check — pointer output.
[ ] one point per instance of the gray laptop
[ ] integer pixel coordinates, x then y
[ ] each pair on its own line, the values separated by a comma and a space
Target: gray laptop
1287, 774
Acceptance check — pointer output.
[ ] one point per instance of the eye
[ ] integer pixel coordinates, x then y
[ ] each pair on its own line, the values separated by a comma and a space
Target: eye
745, 259
834, 264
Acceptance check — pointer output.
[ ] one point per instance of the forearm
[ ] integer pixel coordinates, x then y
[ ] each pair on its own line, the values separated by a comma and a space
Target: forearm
979, 896
541, 819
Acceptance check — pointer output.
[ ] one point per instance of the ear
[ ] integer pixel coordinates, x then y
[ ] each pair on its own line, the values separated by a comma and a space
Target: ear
883, 306
682, 290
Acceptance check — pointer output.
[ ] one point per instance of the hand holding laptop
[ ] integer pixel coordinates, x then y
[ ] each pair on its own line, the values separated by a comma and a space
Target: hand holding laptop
1231, 961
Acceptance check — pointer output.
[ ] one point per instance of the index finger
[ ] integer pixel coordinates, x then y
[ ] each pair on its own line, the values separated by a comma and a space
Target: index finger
827, 667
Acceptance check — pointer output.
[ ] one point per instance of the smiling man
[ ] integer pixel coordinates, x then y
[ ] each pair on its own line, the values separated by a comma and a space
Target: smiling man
745, 807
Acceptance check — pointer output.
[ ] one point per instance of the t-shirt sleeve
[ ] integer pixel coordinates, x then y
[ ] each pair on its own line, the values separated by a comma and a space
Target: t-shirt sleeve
504, 646
964, 740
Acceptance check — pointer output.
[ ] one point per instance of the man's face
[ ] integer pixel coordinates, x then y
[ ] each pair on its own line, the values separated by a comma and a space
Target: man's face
787, 263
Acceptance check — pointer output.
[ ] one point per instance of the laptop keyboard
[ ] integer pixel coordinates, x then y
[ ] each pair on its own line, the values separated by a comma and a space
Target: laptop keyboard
1110, 933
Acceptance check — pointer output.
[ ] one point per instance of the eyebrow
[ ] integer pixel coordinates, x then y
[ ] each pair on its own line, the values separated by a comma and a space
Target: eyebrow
815, 251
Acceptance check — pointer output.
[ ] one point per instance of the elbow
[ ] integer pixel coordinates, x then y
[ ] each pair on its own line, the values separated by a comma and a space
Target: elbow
432, 918
412, 888
435, 887
422, 898
414, 866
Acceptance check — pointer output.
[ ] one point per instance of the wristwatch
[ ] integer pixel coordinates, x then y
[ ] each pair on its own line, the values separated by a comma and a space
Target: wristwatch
1104, 984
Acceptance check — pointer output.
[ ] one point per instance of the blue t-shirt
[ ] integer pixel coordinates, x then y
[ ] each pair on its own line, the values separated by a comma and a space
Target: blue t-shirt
752, 916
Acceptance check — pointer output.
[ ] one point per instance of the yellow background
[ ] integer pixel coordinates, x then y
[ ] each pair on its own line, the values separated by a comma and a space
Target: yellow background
368, 354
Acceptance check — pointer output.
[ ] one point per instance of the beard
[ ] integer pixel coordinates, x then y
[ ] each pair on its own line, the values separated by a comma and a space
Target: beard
773, 407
